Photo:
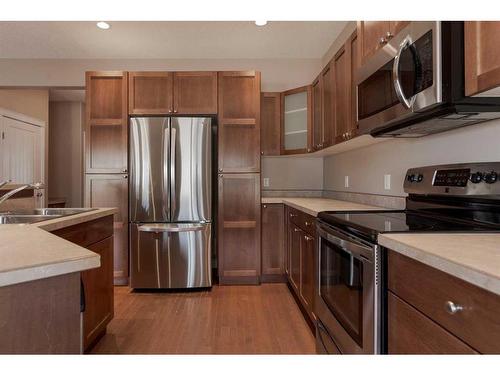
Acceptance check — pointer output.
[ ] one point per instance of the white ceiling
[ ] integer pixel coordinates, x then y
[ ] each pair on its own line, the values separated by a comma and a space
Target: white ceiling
172, 40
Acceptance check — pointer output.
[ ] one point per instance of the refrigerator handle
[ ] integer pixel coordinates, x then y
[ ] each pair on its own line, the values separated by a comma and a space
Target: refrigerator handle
166, 186
171, 227
172, 169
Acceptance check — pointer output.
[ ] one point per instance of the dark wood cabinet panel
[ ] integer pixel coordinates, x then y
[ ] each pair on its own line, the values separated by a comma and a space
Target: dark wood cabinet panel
317, 113
307, 272
239, 228
239, 122
272, 248
270, 124
98, 288
411, 332
112, 191
353, 52
372, 36
41, 316
150, 93
105, 134
342, 64
239, 96
482, 60
195, 93
294, 256
328, 106
477, 324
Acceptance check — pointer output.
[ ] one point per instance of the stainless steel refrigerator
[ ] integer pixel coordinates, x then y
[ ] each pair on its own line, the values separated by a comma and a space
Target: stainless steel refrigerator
170, 202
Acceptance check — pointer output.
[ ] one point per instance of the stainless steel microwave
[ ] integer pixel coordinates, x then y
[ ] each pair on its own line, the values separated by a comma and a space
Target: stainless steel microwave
414, 84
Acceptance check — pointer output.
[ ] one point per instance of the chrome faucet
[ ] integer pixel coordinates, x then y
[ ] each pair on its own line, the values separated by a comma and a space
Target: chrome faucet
35, 186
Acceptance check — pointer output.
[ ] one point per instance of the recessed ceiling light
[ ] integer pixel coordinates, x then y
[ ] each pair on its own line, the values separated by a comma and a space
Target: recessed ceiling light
261, 23
103, 25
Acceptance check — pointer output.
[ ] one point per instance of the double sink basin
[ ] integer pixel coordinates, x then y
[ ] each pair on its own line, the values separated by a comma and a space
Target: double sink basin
38, 214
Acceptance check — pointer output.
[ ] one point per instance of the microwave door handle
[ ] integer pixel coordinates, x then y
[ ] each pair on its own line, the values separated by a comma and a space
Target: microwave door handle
408, 103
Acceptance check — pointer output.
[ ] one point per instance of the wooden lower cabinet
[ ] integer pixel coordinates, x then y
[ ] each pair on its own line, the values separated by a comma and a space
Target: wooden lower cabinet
111, 190
430, 311
300, 248
272, 247
98, 288
411, 332
239, 260
97, 236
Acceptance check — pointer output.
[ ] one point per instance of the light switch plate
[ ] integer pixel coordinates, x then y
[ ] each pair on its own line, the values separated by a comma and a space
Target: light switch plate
265, 181
346, 181
387, 182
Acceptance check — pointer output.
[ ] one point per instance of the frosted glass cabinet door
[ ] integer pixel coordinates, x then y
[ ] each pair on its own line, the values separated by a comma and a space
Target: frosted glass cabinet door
296, 122
21, 151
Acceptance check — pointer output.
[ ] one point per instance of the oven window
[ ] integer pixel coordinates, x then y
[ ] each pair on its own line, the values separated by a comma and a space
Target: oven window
376, 93
341, 287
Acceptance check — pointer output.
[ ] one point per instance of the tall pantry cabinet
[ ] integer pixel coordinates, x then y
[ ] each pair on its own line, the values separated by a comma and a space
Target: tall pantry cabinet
239, 178
105, 138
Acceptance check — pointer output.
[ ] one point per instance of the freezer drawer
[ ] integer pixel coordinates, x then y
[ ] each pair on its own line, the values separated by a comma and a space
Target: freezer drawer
170, 255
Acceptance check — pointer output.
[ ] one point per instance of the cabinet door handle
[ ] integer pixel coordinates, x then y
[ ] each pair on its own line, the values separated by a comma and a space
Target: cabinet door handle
175, 111
169, 111
125, 176
307, 238
388, 36
264, 206
382, 41
307, 223
296, 230
293, 215
453, 308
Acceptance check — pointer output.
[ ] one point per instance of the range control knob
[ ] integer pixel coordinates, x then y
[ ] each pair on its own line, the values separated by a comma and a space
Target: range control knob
420, 177
476, 177
409, 178
491, 177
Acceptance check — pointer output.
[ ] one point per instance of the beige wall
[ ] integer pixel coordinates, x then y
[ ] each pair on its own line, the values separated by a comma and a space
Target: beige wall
33, 103
65, 156
277, 74
366, 166
292, 173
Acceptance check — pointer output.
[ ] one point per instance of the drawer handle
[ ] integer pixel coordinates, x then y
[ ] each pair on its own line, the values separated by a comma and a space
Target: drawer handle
296, 230
308, 238
307, 223
293, 215
453, 308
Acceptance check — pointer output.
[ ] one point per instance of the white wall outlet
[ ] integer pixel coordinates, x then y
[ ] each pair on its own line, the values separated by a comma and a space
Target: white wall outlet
387, 181
265, 181
346, 181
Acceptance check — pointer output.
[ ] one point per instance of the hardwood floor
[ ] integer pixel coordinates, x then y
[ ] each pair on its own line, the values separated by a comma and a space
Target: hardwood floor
226, 320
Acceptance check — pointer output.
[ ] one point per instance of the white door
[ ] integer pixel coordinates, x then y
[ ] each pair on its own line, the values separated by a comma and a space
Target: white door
21, 151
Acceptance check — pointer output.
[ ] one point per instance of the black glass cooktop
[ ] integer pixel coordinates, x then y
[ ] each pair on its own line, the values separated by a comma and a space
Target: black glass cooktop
370, 223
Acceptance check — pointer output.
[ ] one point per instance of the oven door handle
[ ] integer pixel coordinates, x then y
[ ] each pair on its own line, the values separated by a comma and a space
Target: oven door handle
358, 251
407, 102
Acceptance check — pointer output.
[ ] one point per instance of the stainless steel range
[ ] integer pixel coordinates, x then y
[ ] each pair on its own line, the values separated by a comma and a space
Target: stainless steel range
349, 301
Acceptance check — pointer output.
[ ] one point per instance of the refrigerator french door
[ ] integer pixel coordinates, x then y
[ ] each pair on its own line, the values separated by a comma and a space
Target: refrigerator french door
170, 202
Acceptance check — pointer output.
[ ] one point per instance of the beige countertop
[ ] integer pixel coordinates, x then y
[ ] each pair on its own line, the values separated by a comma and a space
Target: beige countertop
313, 206
473, 257
29, 252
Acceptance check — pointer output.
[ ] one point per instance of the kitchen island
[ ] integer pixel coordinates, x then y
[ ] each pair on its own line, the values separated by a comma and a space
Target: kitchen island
42, 266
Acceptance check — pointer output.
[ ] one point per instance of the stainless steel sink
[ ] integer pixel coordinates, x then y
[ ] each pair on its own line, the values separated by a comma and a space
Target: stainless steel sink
61, 211
24, 219
38, 214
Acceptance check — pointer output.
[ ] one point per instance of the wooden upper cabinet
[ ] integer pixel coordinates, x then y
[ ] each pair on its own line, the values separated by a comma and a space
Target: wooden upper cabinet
355, 63
296, 121
317, 113
342, 70
106, 122
328, 105
239, 122
482, 60
239, 228
373, 35
270, 123
150, 93
195, 93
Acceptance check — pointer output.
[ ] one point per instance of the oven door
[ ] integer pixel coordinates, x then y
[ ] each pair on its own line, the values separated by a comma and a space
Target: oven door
401, 78
347, 295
